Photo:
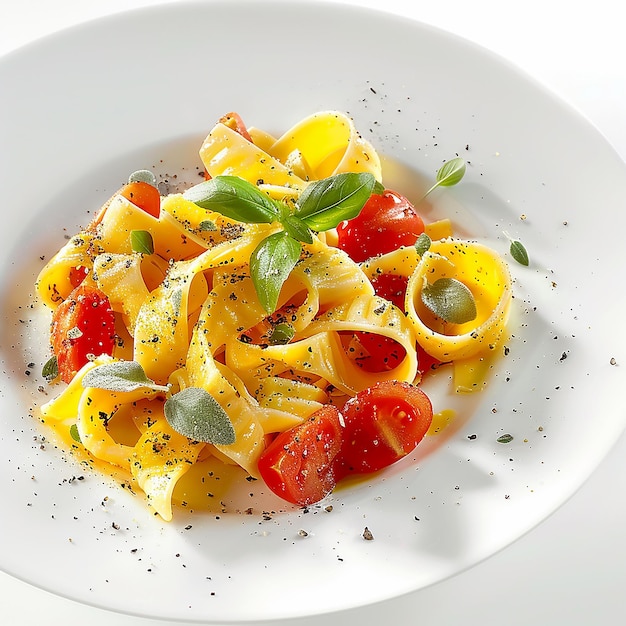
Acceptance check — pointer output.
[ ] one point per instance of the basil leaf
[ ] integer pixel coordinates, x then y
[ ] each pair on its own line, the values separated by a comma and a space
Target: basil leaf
141, 241
120, 376
143, 176
326, 203
450, 300
422, 244
270, 265
235, 198
195, 414
297, 228
518, 252
451, 172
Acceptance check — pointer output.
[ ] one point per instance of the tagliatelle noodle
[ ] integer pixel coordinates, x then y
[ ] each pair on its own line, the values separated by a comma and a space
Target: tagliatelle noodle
485, 274
325, 144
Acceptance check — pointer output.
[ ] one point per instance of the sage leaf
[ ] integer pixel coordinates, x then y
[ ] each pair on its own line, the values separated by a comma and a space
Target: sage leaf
422, 244
235, 198
120, 376
324, 204
451, 300
195, 414
206, 225
141, 241
270, 265
518, 252
143, 176
50, 369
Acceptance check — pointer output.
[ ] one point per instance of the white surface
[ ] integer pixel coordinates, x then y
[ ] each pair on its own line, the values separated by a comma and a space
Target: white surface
571, 568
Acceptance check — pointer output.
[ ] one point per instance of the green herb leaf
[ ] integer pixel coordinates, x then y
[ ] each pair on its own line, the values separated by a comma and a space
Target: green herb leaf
235, 198
451, 300
518, 252
282, 334
74, 434
205, 225
297, 228
422, 244
141, 241
449, 174
50, 369
505, 438
326, 203
195, 414
270, 265
143, 176
120, 376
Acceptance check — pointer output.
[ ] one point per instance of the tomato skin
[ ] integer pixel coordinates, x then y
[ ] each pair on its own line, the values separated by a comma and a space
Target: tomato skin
392, 287
384, 353
385, 223
144, 195
383, 424
82, 325
78, 274
299, 465
235, 122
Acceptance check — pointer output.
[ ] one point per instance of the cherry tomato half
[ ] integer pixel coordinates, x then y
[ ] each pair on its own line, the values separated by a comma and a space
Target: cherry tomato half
144, 195
386, 222
383, 424
299, 465
82, 325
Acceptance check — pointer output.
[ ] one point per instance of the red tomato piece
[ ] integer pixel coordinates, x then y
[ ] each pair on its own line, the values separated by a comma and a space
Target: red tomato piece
383, 424
392, 287
82, 325
299, 465
386, 222
144, 195
234, 122
78, 274
383, 353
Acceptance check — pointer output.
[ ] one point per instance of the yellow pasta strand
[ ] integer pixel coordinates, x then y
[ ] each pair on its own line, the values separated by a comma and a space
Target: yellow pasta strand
487, 277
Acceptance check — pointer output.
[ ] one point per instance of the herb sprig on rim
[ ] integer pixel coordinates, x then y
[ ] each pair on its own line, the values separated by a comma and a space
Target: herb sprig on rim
322, 206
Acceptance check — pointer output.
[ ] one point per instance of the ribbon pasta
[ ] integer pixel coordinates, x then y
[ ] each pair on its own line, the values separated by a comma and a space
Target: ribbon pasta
189, 315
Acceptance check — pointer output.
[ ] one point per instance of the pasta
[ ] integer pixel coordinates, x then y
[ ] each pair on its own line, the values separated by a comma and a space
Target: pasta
187, 313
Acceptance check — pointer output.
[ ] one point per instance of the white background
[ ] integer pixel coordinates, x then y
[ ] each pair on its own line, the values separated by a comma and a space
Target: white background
572, 568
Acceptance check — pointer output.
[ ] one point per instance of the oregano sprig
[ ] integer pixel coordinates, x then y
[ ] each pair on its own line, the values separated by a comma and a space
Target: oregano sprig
322, 206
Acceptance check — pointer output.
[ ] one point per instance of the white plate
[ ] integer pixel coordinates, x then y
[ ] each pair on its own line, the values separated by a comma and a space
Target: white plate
94, 103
